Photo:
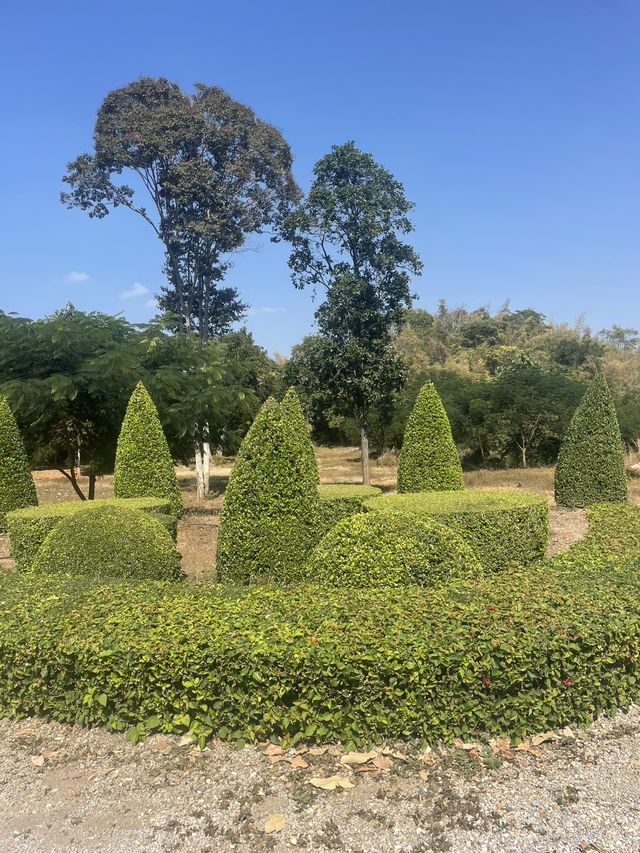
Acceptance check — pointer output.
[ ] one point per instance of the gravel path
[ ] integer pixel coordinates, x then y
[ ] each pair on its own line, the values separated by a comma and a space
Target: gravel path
68, 789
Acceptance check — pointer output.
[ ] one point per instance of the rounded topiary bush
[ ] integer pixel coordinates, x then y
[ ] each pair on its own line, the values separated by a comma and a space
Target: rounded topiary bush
429, 460
504, 528
268, 519
29, 527
110, 541
17, 488
144, 467
391, 549
590, 465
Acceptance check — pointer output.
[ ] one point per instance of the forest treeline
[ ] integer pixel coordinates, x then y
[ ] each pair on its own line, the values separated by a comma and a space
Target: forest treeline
509, 380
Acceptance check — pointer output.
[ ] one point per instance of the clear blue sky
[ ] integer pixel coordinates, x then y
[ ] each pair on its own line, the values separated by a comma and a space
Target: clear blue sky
513, 124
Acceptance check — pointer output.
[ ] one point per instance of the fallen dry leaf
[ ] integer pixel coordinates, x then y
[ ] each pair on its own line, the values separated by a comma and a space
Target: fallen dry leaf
499, 745
37, 760
466, 746
330, 783
424, 774
566, 732
318, 750
536, 740
383, 763
276, 758
525, 746
302, 750
298, 762
184, 740
366, 768
272, 749
49, 753
357, 757
160, 745
275, 823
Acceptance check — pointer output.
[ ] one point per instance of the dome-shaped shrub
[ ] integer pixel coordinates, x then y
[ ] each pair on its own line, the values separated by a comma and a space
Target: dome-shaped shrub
268, 517
17, 488
590, 465
428, 459
144, 467
110, 541
391, 549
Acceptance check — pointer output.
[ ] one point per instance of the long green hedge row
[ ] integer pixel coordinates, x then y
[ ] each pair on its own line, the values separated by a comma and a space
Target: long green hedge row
29, 527
504, 528
522, 651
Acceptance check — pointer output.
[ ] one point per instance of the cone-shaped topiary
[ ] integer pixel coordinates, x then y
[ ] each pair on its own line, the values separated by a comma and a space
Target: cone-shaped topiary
268, 518
590, 465
144, 467
429, 459
17, 488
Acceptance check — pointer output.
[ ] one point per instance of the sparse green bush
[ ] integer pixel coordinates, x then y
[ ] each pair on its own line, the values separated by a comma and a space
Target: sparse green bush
503, 528
17, 488
29, 527
144, 467
590, 465
389, 550
428, 459
107, 540
268, 522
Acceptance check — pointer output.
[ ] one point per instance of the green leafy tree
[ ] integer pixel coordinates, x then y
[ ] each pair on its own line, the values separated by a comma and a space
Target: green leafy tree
346, 240
144, 467
590, 465
429, 459
212, 171
268, 522
17, 489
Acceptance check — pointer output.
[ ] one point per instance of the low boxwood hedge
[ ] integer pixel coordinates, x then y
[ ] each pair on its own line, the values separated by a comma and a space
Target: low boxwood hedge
341, 500
108, 540
378, 549
29, 527
504, 528
520, 652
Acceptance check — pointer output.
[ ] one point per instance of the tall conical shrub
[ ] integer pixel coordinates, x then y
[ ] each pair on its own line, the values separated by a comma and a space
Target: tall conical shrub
144, 467
269, 514
17, 488
429, 459
590, 465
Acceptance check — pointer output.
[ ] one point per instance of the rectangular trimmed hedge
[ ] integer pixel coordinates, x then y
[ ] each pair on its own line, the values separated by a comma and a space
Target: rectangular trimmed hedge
29, 527
504, 528
341, 500
524, 651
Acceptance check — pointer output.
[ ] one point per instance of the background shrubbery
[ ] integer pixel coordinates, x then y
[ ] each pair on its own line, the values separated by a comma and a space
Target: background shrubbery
17, 488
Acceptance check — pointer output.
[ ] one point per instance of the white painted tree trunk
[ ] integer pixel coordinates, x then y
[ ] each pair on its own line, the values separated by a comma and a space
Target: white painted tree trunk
203, 468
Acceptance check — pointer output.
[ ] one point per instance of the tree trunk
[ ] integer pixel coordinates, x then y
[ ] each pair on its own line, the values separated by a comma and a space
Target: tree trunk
203, 468
523, 448
92, 485
364, 447
72, 479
